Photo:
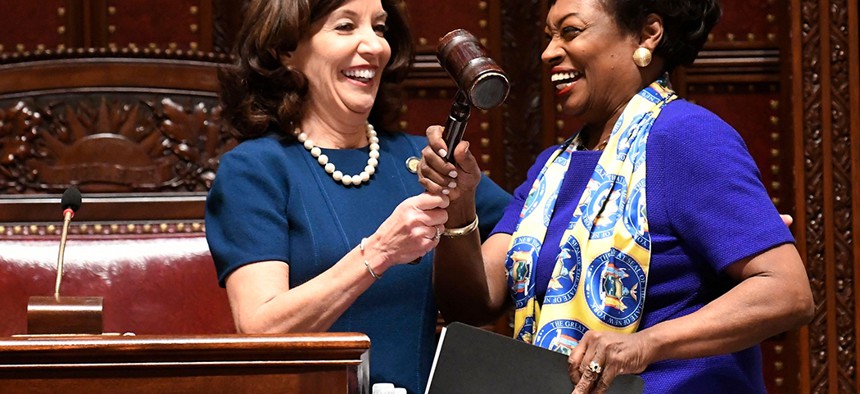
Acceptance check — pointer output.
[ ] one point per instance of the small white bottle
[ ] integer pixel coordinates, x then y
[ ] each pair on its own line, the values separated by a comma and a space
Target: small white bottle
382, 388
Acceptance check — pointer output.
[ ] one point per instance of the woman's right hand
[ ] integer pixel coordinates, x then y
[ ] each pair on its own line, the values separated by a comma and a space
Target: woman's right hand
412, 230
439, 177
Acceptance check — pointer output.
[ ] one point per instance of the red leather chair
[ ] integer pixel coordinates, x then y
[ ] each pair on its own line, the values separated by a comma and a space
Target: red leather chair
154, 279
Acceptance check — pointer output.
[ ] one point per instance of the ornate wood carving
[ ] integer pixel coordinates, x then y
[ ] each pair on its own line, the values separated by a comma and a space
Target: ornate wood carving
813, 196
111, 143
826, 70
843, 255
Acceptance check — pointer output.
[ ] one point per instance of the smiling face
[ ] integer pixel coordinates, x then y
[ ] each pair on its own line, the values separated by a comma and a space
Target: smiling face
591, 59
343, 58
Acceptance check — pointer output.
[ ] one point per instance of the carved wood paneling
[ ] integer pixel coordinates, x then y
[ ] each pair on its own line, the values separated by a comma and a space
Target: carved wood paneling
122, 145
841, 146
825, 88
110, 144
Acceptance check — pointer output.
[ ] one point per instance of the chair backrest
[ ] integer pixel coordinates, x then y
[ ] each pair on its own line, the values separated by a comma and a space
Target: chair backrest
153, 280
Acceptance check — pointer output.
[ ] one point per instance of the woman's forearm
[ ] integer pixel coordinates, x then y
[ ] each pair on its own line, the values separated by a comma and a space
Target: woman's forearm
311, 307
766, 303
469, 279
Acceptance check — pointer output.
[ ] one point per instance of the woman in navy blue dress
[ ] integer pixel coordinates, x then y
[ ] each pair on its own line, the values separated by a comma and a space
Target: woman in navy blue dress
316, 220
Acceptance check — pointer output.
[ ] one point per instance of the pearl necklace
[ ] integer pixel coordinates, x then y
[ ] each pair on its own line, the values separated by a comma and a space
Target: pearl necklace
357, 179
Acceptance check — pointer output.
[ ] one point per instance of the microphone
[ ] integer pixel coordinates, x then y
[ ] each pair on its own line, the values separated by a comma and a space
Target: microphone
65, 315
71, 202
480, 81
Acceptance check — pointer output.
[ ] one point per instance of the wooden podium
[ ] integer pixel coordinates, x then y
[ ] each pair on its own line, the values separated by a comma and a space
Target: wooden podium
234, 363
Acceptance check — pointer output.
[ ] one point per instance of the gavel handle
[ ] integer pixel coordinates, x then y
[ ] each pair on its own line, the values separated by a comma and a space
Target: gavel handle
456, 124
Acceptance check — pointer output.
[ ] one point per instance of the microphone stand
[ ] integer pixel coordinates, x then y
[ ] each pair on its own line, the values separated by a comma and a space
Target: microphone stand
64, 315
67, 218
456, 124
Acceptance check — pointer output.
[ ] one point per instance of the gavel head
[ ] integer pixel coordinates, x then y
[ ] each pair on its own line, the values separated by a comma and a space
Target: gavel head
476, 75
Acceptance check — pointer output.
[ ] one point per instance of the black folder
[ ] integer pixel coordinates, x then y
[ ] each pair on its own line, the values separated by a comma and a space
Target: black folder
472, 360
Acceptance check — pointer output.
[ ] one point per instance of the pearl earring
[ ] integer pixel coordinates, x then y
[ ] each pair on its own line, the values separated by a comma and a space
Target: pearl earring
642, 57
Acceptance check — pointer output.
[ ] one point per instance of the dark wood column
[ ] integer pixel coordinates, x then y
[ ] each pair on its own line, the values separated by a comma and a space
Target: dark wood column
825, 115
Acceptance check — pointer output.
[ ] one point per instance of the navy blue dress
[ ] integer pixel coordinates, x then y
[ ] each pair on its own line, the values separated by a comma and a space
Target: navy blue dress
273, 201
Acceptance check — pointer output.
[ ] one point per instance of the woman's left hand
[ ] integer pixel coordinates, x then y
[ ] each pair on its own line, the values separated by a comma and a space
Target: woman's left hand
601, 356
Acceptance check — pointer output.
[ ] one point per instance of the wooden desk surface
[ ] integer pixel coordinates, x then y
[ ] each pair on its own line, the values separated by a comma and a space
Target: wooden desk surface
232, 363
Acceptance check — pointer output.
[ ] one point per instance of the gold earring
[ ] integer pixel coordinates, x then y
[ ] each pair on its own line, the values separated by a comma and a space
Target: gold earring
642, 57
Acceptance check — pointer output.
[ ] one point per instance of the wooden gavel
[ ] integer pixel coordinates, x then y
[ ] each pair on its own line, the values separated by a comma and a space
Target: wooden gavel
480, 81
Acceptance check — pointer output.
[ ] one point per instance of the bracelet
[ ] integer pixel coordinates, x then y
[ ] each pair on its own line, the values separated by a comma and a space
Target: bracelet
373, 274
366, 264
458, 232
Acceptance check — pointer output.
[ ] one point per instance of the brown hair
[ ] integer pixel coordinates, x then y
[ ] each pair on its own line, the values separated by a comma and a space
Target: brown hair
259, 94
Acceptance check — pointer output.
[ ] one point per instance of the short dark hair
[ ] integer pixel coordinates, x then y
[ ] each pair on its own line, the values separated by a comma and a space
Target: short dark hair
258, 93
686, 24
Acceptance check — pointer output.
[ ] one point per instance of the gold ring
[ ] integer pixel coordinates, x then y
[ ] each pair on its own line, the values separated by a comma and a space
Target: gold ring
595, 367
